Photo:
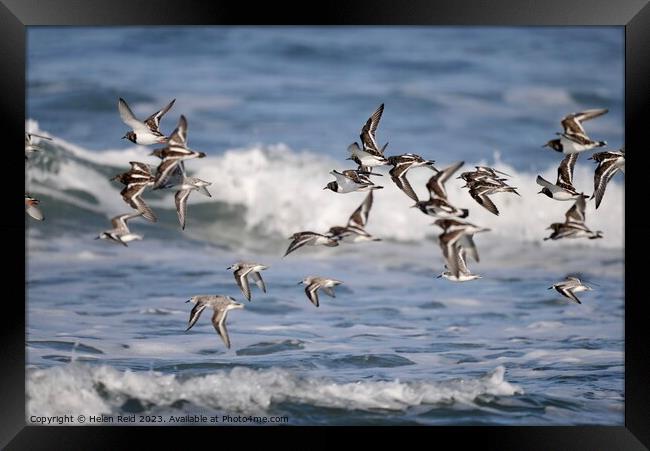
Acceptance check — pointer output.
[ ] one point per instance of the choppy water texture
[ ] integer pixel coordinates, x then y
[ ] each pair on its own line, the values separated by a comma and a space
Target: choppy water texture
275, 109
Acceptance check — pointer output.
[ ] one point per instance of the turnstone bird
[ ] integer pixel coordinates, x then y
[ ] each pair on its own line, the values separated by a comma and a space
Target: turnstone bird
242, 270
574, 224
609, 163
221, 306
568, 287
175, 152
309, 238
575, 139
369, 154
483, 173
489, 171
138, 172
31, 209
188, 185
136, 180
354, 231
563, 188
464, 273
313, 284
351, 180
366, 159
144, 132
401, 165
30, 145
481, 189
120, 232
438, 205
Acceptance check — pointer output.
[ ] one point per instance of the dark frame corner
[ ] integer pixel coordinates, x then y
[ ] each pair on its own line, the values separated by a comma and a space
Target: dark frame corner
634, 15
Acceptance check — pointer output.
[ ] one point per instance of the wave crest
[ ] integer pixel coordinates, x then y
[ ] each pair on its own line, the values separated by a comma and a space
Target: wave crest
91, 390
279, 191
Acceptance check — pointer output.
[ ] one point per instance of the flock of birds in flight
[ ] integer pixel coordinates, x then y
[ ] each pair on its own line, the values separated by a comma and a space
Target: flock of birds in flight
456, 240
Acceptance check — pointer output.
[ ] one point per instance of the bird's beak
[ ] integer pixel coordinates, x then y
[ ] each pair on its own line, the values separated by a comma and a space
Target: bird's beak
97, 237
540, 192
545, 145
189, 300
325, 188
414, 205
124, 137
152, 153
349, 158
299, 283
439, 277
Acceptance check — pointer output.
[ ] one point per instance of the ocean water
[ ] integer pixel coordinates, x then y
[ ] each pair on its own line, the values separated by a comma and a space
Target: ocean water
275, 109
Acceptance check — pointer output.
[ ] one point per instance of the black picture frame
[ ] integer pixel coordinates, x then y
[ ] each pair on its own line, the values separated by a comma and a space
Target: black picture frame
634, 15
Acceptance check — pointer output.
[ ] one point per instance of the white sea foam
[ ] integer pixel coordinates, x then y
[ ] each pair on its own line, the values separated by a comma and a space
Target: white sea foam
83, 389
282, 192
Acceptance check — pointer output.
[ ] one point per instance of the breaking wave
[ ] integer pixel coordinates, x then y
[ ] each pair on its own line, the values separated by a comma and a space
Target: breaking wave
92, 390
275, 191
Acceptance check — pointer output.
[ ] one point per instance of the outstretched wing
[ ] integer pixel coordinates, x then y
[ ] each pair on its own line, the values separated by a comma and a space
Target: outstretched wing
369, 129
480, 195
242, 281
131, 195
448, 242
567, 293
164, 171
572, 123
153, 121
181, 205
403, 184
576, 214
179, 135
460, 260
34, 212
565, 170
467, 242
195, 313
119, 222
604, 172
219, 323
312, 293
257, 278
299, 240
129, 118
137, 166
436, 184
360, 216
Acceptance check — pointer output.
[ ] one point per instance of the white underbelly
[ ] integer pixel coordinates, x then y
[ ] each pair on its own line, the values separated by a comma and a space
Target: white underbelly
147, 139
130, 237
569, 146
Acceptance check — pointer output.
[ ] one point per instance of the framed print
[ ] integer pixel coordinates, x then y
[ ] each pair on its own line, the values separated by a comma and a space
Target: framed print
390, 217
